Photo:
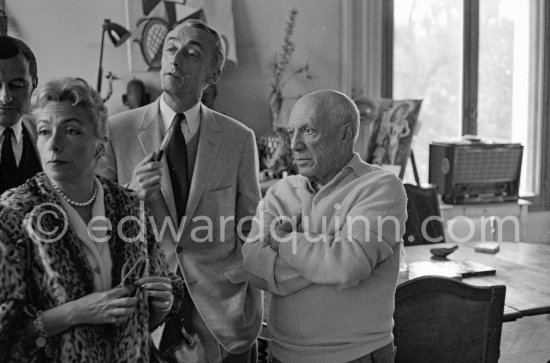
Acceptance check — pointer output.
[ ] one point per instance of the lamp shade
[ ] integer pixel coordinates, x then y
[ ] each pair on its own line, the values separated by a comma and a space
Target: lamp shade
117, 33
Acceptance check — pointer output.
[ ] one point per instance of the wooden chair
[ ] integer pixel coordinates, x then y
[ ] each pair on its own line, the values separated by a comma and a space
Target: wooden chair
438, 319
424, 224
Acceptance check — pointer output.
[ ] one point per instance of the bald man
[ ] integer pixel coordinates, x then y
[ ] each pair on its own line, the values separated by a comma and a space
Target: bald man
325, 243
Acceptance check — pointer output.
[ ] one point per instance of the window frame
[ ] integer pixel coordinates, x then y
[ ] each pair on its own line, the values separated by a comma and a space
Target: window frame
540, 201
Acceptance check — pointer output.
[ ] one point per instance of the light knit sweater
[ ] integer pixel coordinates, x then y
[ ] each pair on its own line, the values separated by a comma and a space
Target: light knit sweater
332, 300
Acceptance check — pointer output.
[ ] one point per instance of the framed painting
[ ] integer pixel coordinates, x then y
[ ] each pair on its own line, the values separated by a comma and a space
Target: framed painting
386, 130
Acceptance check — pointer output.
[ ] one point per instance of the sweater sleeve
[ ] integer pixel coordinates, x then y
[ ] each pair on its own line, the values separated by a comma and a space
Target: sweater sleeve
264, 267
373, 226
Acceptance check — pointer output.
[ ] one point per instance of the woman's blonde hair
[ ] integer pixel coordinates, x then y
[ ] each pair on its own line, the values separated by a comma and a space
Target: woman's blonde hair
79, 94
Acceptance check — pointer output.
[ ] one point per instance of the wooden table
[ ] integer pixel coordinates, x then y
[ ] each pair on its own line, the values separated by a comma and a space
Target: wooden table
524, 268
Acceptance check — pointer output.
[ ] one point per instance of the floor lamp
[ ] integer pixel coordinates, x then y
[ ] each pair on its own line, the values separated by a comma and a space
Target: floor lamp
118, 35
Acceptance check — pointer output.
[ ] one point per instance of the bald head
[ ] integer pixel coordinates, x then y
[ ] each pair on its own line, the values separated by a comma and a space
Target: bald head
335, 106
323, 126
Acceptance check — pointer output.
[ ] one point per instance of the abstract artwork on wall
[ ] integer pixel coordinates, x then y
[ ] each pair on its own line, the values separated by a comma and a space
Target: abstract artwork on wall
150, 21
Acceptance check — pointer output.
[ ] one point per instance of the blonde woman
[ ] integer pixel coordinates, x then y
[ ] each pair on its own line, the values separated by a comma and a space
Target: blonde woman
81, 279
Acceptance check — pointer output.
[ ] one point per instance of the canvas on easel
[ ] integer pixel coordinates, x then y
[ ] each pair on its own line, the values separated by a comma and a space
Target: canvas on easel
386, 130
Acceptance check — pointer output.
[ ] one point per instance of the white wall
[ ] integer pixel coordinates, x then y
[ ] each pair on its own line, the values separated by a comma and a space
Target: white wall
538, 227
65, 36
259, 27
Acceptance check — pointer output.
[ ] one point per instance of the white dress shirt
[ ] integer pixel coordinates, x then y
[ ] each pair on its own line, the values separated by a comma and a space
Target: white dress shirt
192, 118
95, 245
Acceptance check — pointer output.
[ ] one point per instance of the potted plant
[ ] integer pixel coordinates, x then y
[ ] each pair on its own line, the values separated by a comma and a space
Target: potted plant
274, 148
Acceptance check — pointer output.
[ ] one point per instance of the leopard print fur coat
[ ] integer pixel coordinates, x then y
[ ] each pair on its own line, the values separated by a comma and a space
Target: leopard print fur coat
61, 273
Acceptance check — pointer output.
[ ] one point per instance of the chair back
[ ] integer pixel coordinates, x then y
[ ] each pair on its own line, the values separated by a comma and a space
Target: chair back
424, 224
438, 319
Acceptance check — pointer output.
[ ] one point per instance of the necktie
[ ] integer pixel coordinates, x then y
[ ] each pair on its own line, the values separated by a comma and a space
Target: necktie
7, 163
176, 155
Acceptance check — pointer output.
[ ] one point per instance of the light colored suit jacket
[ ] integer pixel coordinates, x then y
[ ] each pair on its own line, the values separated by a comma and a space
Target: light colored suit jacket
224, 190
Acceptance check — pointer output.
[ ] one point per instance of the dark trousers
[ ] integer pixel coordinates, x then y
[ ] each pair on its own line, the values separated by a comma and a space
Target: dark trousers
214, 351
386, 354
248, 357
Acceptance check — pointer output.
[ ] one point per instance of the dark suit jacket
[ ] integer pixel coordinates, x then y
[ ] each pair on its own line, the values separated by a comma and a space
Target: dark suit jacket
33, 164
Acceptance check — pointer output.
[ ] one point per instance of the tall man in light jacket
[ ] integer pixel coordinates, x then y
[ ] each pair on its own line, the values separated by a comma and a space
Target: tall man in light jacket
326, 243
205, 195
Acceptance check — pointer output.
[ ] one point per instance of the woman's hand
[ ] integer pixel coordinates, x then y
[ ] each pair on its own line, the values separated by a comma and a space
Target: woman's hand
106, 307
159, 291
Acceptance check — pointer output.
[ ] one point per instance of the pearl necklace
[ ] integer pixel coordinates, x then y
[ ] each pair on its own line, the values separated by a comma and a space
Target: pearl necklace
72, 202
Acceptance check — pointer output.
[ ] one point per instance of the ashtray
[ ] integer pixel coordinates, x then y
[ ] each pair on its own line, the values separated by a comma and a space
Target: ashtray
442, 252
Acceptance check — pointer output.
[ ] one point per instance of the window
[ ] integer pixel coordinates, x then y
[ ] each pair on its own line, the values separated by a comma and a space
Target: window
480, 68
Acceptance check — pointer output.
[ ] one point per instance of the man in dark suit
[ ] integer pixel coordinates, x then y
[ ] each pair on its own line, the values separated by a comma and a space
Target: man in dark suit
18, 78
209, 194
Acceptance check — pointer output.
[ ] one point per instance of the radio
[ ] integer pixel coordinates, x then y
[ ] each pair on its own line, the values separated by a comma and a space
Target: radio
471, 171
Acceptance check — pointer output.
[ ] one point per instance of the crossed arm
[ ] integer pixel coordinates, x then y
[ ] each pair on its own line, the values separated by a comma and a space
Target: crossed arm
264, 267
340, 256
